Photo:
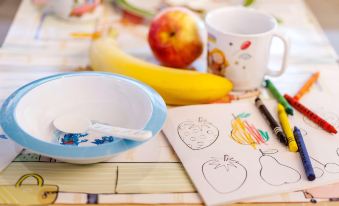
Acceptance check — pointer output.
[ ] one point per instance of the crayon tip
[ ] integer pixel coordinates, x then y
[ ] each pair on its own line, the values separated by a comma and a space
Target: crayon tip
296, 97
283, 139
280, 108
267, 82
286, 96
311, 177
333, 130
293, 146
289, 111
317, 74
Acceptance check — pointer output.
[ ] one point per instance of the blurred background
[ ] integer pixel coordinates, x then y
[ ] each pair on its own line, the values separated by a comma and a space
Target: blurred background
326, 12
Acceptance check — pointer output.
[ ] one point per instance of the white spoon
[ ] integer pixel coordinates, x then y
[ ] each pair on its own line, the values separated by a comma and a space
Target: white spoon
76, 124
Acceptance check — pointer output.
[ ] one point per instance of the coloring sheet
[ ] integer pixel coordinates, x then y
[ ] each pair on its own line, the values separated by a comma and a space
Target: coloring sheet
231, 154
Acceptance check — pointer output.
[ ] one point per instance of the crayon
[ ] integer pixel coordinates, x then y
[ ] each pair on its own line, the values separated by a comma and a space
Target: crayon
271, 121
270, 86
304, 155
285, 124
306, 87
311, 115
233, 97
94, 35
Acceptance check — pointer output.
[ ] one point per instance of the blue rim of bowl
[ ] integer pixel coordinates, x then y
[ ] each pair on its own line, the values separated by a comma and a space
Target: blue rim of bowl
13, 130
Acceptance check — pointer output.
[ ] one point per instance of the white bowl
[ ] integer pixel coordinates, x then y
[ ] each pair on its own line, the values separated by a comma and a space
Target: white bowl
27, 115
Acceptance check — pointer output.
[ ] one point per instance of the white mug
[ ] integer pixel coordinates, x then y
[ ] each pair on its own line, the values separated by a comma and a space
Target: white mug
239, 41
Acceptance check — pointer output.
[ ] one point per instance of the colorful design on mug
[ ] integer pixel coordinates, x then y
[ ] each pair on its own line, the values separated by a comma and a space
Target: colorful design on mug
72, 139
103, 140
217, 61
245, 56
245, 45
82, 7
241, 56
211, 38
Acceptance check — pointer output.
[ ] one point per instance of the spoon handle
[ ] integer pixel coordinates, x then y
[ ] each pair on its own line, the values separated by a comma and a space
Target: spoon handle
131, 134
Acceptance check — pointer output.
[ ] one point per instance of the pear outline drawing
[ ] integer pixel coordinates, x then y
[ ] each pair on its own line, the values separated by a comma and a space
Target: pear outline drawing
265, 176
328, 166
318, 172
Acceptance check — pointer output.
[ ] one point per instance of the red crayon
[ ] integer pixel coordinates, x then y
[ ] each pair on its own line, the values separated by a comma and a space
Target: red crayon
311, 115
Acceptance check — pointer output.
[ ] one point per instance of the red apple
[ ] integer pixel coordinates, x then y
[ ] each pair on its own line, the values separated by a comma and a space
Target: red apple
175, 37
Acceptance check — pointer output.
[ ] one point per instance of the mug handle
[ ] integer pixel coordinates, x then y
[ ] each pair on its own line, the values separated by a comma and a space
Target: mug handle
286, 43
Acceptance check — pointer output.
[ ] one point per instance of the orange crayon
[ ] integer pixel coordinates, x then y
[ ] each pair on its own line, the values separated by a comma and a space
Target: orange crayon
306, 87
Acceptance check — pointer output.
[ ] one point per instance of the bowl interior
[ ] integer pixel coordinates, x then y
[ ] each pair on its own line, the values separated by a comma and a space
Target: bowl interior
105, 99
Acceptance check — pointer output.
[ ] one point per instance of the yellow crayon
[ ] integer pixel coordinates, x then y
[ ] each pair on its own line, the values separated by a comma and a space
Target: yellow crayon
285, 124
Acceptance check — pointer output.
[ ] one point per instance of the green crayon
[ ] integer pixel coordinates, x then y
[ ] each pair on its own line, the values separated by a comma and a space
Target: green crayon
270, 86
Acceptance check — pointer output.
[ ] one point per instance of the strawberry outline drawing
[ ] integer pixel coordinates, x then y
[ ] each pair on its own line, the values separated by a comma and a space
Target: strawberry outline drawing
198, 134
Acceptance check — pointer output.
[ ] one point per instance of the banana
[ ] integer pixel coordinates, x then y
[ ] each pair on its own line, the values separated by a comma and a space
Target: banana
176, 86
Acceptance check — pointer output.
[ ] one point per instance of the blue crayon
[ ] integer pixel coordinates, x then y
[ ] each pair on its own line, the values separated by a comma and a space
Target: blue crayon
304, 154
